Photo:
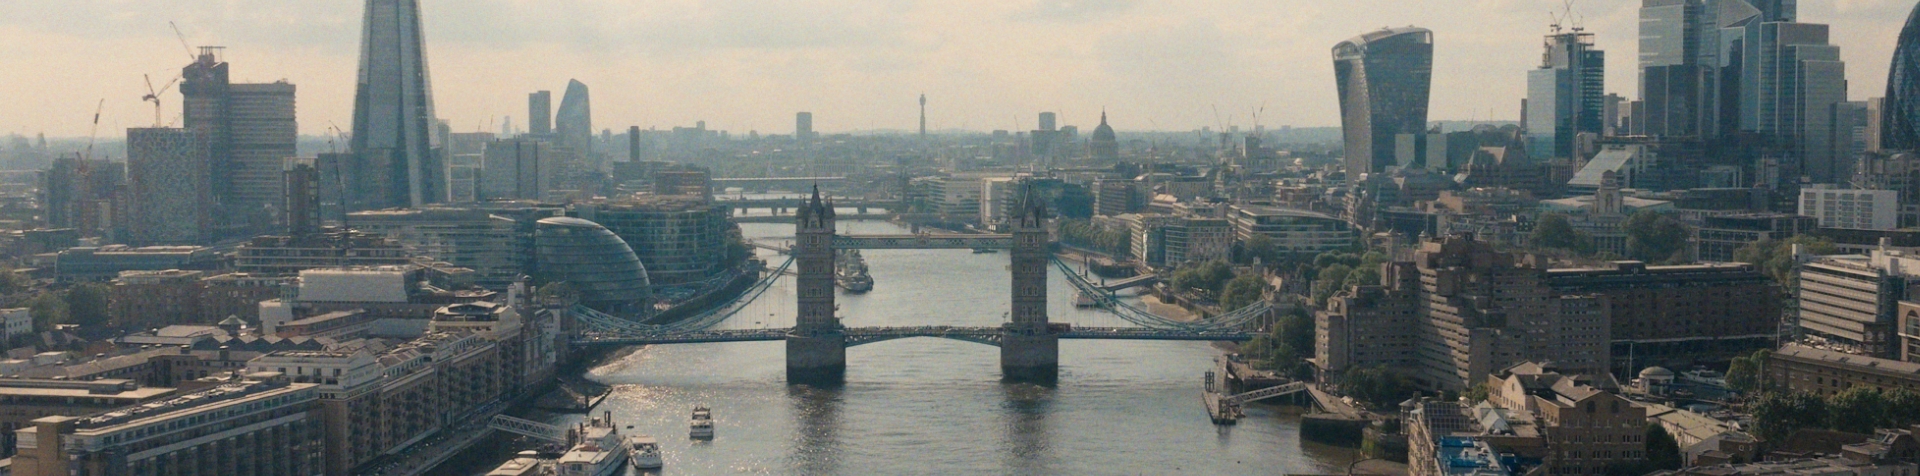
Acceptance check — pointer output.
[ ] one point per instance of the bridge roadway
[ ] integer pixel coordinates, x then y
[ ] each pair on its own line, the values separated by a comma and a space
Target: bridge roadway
869, 335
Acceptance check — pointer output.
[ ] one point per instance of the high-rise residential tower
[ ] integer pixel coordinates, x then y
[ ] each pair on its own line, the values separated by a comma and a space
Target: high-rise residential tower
393, 119
170, 186
803, 127
540, 112
1384, 79
1566, 96
1900, 115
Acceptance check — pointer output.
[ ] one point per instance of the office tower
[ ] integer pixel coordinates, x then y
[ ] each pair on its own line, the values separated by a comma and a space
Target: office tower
171, 193
540, 112
302, 182
516, 169
1048, 121
393, 121
1876, 124
250, 129
1900, 121
803, 127
1384, 78
1797, 77
574, 124
1671, 75
80, 193
1848, 137
633, 144
1566, 95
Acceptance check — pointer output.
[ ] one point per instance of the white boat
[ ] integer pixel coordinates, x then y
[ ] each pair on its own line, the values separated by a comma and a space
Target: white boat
702, 427
1081, 299
597, 450
643, 452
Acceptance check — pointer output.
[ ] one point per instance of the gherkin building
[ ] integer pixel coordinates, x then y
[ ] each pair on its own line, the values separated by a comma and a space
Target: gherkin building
1902, 115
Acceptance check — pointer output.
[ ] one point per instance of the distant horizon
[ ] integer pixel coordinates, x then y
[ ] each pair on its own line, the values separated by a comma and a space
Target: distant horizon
856, 65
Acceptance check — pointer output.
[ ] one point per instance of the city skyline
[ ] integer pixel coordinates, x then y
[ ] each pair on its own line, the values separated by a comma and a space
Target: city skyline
988, 67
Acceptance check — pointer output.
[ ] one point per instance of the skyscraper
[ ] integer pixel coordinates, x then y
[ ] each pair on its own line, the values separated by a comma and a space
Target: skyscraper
250, 130
1671, 73
1791, 80
1566, 96
1048, 121
1384, 78
171, 193
803, 127
540, 112
1900, 126
393, 120
574, 122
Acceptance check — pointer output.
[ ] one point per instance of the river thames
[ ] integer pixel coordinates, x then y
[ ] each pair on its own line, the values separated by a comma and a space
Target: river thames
926, 406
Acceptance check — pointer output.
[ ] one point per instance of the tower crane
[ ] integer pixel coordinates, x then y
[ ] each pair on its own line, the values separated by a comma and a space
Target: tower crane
96, 129
183, 42
154, 97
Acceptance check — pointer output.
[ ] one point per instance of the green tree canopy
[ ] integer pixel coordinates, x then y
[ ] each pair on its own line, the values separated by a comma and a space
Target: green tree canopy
1554, 231
1242, 291
1656, 238
1857, 410
1376, 386
1777, 415
1663, 451
1747, 373
1775, 257
87, 305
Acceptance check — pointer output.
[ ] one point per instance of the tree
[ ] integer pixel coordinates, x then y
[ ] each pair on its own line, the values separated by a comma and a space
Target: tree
1656, 238
1478, 393
1856, 410
1554, 231
1242, 291
1777, 415
1775, 257
1903, 408
48, 309
1328, 281
1748, 372
1259, 247
1663, 451
1378, 387
87, 305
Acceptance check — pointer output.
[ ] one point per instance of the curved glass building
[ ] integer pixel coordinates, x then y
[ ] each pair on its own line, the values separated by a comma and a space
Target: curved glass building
598, 263
1384, 79
1901, 122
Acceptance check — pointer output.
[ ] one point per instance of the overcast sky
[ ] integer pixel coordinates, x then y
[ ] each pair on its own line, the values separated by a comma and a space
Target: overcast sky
856, 64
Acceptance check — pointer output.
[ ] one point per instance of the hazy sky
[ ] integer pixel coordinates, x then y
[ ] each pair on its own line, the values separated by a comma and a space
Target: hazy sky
856, 64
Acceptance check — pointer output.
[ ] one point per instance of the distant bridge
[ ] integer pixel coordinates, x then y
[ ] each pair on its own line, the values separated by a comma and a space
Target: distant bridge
796, 202
857, 336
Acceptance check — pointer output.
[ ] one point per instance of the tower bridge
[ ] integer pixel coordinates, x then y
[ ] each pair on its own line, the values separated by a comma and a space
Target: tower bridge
817, 344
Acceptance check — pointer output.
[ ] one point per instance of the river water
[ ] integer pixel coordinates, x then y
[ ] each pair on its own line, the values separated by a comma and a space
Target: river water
934, 406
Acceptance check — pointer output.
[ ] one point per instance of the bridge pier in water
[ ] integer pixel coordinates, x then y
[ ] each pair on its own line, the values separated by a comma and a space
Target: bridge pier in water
818, 359
1030, 346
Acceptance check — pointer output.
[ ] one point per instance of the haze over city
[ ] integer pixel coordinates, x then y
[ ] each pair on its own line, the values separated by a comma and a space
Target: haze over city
746, 65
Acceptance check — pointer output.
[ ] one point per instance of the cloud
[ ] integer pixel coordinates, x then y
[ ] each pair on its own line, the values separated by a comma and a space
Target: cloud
1071, 11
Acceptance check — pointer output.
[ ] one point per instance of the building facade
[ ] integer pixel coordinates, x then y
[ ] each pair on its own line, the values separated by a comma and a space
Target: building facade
1720, 236
266, 425
1851, 209
1680, 312
1292, 231
394, 127
493, 246
1852, 301
680, 240
1900, 121
600, 265
1565, 95
172, 191
1818, 371
1384, 79
516, 169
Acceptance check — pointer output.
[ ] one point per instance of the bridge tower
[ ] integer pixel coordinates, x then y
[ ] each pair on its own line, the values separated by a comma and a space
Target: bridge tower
817, 347
1029, 348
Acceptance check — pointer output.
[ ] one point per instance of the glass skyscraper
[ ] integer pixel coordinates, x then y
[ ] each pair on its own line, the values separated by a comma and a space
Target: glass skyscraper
393, 120
1671, 73
1384, 79
1901, 130
1566, 96
597, 262
573, 122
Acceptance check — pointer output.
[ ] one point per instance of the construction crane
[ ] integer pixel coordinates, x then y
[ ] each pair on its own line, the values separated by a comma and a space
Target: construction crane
154, 97
183, 42
96, 130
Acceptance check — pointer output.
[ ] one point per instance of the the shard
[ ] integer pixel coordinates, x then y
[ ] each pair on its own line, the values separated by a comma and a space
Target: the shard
393, 120
1902, 114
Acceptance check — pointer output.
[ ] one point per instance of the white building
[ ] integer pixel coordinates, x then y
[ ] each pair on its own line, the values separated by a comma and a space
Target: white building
19, 322
1851, 209
997, 195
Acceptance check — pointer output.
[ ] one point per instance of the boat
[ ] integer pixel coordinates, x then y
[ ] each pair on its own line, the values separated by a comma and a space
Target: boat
643, 452
850, 272
1081, 299
702, 427
984, 251
597, 450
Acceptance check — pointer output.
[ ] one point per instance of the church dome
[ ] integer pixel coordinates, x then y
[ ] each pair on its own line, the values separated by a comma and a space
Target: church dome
1104, 132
